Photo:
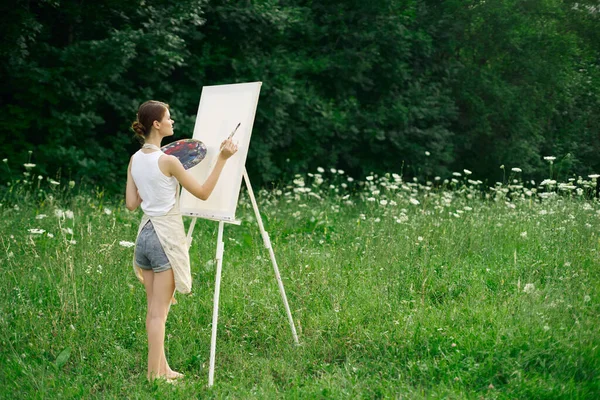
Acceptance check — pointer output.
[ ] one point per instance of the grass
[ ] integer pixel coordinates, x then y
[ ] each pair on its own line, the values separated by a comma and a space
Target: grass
463, 295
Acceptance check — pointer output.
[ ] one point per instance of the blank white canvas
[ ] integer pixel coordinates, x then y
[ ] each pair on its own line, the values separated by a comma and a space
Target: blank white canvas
221, 108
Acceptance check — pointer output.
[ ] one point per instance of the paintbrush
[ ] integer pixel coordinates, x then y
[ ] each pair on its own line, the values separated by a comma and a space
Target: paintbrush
233, 133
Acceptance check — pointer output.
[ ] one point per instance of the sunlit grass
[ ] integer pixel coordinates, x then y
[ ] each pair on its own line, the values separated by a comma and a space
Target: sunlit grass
398, 288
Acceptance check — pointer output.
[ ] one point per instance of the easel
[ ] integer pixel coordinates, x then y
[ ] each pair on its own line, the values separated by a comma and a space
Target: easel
219, 258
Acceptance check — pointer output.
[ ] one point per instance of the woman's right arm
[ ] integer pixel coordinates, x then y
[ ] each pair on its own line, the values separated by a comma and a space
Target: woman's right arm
187, 180
132, 197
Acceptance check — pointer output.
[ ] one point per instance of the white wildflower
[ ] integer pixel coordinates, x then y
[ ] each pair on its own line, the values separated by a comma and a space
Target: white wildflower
40, 216
50, 235
340, 172
59, 213
587, 299
564, 186
427, 153
529, 288
299, 182
333, 170
383, 202
36, 231
108, 211
125, 243
414, 201
594, 176
68, 231
72, 241
456, 174
369, 178
53, 182
524, 234
69, 214
467, 172
29, 165
550, 158
321, 170
515, 169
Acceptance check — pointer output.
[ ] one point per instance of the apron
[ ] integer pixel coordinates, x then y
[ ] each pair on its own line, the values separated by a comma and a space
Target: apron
171, 234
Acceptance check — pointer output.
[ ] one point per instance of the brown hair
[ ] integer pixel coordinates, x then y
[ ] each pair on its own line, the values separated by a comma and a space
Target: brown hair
148, 112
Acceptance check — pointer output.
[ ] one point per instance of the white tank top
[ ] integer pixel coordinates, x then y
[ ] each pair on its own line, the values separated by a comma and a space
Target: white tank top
156, 190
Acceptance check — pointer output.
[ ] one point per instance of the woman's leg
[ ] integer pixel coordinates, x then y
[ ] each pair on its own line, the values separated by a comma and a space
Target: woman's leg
149, 285
159, 289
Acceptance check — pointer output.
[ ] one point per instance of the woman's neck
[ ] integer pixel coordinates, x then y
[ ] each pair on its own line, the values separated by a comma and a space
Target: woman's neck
154, 139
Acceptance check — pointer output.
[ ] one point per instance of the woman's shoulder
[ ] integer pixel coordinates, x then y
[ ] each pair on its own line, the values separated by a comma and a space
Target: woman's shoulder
168, 159
136, 154
168, 164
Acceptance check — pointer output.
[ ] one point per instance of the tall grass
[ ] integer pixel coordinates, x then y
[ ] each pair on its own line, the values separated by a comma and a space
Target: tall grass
398, 289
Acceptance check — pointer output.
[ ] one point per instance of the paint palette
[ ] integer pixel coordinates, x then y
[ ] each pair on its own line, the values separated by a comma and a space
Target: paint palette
189, 151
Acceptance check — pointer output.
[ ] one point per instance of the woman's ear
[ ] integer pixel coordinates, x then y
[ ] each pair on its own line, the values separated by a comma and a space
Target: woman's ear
156, 124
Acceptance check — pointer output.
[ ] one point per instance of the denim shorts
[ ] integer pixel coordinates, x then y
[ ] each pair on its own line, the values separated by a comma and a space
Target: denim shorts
149, 253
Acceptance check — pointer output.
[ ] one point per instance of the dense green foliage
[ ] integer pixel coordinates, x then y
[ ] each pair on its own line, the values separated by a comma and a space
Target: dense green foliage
401, 290
363, 86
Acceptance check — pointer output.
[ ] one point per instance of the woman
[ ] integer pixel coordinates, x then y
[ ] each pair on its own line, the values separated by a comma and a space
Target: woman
161, 259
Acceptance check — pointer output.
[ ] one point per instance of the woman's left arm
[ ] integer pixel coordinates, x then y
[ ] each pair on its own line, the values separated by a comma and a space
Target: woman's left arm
132, 197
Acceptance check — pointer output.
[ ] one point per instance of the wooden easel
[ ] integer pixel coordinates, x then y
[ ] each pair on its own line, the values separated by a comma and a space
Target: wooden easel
219, 257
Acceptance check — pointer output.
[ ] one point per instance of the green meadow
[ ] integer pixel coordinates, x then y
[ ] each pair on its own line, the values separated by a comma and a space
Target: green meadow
399, 289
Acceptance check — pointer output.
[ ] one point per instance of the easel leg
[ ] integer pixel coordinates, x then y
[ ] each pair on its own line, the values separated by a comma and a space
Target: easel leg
190, 231
267, 242
213, 338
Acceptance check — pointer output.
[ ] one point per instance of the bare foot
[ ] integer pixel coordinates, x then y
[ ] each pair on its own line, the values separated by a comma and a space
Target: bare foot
174, 374
170, 377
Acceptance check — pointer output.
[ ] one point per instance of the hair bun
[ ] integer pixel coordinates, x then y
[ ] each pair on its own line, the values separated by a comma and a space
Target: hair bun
138, 128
